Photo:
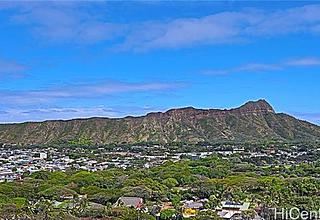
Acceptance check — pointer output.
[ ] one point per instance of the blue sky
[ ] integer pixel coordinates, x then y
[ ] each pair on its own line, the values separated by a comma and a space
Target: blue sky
61, 60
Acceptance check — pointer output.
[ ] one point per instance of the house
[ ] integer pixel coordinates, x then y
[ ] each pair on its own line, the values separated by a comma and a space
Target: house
191, 208
133, 202
231, 210
167, 205
7, 175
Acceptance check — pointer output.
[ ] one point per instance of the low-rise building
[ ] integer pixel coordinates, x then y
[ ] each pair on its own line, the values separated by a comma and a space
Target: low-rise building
191, 208
132, 202
232, 210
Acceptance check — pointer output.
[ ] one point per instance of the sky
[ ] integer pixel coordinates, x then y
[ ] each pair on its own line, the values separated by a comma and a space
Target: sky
63, 60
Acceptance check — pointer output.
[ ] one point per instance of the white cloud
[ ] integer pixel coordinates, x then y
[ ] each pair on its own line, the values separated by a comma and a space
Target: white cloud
309, 61
224, 27
265, 67
75, 23
214, 29
10, 68
82, 91
13, 115
64, 22
40, 114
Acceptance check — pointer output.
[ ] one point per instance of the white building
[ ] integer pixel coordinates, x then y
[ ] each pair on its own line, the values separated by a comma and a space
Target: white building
43, 156
230, 210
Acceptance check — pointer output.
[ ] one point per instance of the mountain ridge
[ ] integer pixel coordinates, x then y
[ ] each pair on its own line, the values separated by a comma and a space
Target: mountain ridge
254, 120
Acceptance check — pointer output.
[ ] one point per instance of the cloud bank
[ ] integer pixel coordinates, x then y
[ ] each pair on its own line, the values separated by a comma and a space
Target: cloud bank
73, 23
13, 115
10, 68
265, 67
82, 91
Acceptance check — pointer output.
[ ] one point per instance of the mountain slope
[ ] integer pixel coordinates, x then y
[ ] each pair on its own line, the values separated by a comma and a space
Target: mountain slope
252, 121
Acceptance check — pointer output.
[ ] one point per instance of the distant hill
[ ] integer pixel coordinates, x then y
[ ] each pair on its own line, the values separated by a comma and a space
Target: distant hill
255, 120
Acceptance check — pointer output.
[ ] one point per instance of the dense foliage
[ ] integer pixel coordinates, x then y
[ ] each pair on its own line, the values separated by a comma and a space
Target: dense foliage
59, 195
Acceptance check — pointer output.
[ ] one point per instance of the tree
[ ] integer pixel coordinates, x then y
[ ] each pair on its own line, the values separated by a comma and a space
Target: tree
170, 182
248, 214
168, 214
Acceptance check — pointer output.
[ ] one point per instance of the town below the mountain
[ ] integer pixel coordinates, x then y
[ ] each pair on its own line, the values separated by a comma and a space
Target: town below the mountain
159, 181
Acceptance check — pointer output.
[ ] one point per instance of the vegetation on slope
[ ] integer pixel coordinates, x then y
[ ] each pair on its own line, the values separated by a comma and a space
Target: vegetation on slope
252, 121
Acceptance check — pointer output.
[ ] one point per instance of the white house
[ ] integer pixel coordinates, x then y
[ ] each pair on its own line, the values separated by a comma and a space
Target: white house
230, 210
